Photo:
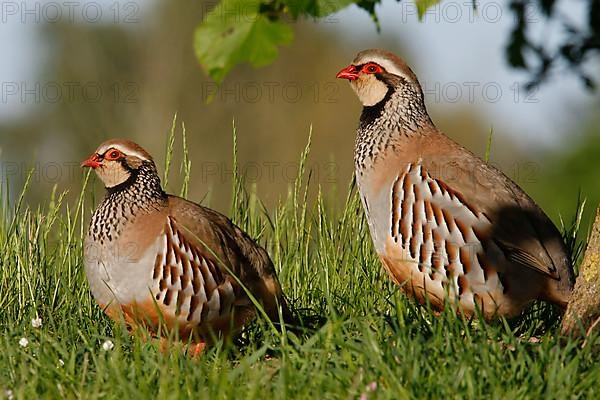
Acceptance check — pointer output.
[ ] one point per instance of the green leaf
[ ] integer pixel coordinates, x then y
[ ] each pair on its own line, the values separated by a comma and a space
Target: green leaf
423, 6
315, 8
234, 32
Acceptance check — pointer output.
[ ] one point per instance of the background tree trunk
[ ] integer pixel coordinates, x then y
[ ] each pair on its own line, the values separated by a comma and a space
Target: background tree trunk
583, 312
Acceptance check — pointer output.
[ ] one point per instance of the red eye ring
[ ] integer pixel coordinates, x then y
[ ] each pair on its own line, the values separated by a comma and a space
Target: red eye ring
113, 154
372, 68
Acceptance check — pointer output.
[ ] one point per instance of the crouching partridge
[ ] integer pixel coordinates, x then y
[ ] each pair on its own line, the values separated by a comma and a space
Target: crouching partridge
158, 259
445, 224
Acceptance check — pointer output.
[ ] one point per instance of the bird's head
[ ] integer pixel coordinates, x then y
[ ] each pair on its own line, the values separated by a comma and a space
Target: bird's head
117, 160
374, 73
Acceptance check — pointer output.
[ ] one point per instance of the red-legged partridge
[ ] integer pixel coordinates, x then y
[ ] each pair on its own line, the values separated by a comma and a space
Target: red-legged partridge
445, 224
154, 257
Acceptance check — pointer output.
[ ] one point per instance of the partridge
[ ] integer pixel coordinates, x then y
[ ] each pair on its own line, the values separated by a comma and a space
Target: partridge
160, 260
446, 225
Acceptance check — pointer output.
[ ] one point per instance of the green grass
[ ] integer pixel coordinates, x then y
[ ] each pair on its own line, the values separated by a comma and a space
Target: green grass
361, 332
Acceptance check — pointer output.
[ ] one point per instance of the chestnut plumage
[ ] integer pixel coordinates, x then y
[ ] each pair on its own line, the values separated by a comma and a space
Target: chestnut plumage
157, 259
446, 225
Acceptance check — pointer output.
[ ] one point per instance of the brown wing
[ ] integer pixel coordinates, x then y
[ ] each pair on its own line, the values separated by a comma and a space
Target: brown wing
519, 227
189, 281
241, 258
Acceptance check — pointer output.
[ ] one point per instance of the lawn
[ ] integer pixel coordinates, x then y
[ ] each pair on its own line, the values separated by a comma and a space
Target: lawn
363, 339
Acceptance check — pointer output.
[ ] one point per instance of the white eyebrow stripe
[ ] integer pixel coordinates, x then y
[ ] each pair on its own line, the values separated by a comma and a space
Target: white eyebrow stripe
386, 64
389, 67
125, 150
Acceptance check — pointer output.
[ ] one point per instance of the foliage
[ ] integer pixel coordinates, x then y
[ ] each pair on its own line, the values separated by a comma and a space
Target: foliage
362, 337
578, 44
237, 31
228, 38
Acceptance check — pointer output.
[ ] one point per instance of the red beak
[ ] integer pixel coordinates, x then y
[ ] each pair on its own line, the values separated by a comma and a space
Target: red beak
92, 162
350, 73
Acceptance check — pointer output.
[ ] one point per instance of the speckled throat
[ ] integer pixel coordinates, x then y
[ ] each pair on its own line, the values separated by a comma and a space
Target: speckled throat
401, 113
141, 193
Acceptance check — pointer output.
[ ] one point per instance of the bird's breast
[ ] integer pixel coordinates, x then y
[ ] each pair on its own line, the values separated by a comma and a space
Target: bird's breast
119, 271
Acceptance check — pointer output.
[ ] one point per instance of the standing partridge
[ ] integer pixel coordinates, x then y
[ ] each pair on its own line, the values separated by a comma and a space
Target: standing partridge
156, 258
445, 224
